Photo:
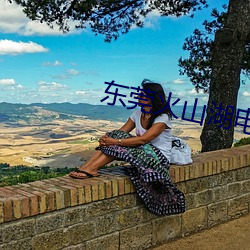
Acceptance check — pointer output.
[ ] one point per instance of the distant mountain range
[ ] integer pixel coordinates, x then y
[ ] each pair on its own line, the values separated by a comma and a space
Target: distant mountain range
10, 112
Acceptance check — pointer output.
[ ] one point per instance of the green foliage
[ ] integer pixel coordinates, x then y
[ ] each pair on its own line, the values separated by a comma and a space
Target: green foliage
198, 67
23, 174
242, 142
108, 17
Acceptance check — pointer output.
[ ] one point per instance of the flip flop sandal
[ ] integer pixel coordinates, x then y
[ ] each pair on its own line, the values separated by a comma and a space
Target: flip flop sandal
87, 175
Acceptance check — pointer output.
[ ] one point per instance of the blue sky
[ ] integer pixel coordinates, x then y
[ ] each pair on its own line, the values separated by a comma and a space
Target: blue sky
38, 64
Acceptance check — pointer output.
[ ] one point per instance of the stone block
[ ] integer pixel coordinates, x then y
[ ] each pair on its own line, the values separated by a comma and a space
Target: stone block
220, 193
76, 247
204, 198
238, 206
24, 244
196, 185
240, 174
136, 238
234, 189
182, 186
1, 235
1, 212
217, 213
105, 224
53, 240
190, 203
49, 222
74, 215
194, 220
99, 208
225, 178
245, 186
80, 233
166, 228
247, 172
18, 230
132, 217
107, 242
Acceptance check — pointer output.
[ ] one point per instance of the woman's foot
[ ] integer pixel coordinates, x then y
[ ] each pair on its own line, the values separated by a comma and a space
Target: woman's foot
83, 174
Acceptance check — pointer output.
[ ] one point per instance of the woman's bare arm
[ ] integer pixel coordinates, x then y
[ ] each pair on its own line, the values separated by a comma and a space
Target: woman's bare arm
128, 126
135, 141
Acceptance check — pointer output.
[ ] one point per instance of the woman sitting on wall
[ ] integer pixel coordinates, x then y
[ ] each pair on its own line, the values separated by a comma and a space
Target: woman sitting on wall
148, 152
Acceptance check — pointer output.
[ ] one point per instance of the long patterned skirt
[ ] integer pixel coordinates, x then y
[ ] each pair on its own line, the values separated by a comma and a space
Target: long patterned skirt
149, 173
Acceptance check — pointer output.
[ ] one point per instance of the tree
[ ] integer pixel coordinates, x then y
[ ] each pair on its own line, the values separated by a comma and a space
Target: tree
113, 17
227, 59
108, 17
204, 67
198, 65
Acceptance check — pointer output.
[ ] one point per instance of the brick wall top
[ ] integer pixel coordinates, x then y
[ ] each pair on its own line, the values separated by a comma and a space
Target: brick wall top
25, 200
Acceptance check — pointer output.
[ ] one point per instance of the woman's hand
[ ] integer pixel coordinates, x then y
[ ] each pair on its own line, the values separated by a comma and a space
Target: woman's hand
107, 141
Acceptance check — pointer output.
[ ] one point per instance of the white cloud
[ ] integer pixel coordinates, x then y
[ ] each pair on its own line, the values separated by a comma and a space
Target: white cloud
60, 76
13, 20
51, 86
7, 82
178, 81
151, 21
15, 48
73, 72
180, 94
55, 63
19, 86
193, 92
80, 92
246, 93
90, 72
10, 84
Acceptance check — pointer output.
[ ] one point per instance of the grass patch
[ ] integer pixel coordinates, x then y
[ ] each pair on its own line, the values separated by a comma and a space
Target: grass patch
23, 174
242, 142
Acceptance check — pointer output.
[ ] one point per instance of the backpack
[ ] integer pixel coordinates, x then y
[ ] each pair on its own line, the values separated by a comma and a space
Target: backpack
180, 152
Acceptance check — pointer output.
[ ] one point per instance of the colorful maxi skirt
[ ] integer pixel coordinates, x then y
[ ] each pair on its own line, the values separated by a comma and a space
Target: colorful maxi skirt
149, 172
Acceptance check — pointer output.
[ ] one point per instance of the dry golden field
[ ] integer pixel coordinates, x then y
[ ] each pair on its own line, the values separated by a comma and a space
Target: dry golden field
74, 140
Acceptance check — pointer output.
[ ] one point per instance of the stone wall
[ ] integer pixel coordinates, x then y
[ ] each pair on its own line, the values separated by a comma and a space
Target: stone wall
105, 212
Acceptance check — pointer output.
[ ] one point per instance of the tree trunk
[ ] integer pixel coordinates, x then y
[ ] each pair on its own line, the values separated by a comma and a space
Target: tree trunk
227, 56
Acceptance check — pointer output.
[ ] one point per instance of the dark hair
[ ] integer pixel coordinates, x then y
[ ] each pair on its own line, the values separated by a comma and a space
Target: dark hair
158, 99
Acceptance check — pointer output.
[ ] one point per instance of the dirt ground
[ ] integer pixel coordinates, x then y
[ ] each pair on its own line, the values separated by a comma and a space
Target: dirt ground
232, 235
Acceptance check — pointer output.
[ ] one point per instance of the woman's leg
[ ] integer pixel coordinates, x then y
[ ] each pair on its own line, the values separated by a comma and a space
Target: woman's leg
98, 160
91, 159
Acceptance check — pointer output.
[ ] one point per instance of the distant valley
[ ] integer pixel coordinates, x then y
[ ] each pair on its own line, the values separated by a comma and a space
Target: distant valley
65, 134
57, 135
